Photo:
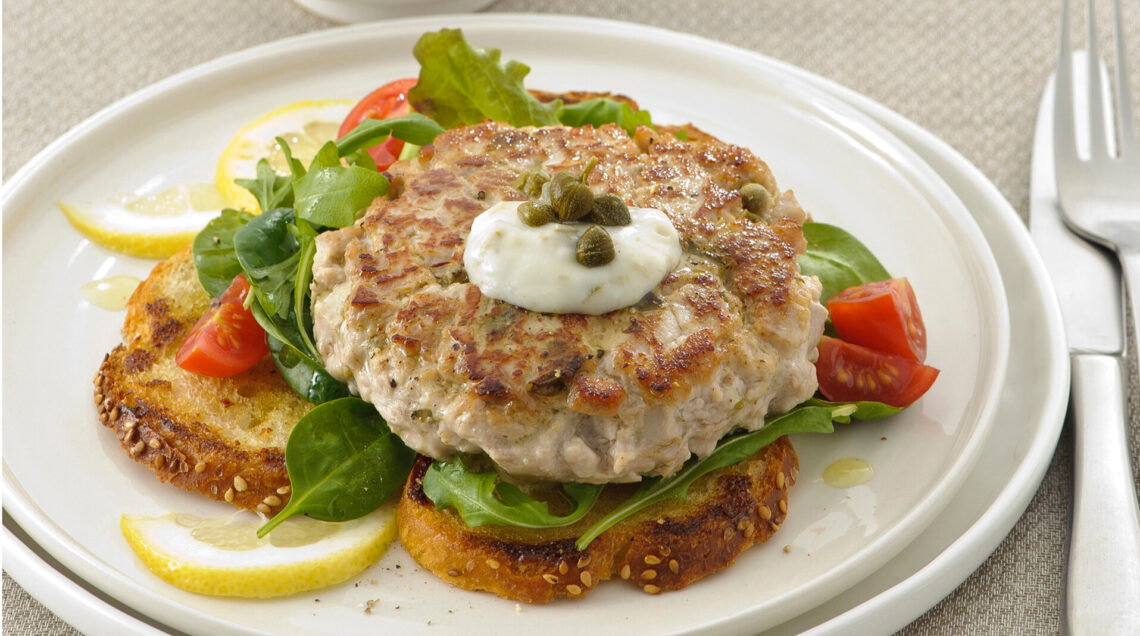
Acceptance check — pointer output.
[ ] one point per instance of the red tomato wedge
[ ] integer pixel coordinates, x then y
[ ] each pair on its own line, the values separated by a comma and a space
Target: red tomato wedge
882, 315
850, 373
226, 340
388, 101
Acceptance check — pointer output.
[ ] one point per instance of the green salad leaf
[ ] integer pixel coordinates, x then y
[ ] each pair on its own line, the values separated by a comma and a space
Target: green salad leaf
330, 194
731, 450
269, 188
839, 259
600, 111
412, 128
268, 252
862, 411
343, 462
213, 249
462, 85
304, 375
480, 498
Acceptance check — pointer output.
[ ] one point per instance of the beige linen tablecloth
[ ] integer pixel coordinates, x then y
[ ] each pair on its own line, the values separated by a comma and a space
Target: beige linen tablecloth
971, 72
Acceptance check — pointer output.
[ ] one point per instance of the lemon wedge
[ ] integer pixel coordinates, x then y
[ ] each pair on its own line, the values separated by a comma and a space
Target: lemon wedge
304, 125
151, 226
224, 557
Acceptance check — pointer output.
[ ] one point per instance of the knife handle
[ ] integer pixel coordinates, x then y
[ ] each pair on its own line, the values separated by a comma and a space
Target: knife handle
1103, 580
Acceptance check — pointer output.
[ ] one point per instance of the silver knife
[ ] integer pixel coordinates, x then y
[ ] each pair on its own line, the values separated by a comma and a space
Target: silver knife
1102, 589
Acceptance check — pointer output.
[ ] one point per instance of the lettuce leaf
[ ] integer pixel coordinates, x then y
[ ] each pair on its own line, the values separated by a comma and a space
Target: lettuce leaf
600, 111
462, 85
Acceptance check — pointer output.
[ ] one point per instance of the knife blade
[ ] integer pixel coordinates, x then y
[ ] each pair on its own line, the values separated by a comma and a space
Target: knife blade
1102, 579
1086, 276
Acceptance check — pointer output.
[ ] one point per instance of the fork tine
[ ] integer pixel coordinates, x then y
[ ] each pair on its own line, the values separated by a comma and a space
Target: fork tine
1064, 123
1127, 145
1097, 147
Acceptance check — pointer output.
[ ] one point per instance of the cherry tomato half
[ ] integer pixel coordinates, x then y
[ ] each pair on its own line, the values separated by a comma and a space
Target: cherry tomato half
849, 373
226, 340
882, 315
390, 100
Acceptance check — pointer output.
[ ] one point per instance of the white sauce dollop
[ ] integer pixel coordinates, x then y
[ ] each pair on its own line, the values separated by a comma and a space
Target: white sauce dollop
537, 268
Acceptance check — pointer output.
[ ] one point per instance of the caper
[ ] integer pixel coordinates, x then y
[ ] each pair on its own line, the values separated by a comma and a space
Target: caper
536, 213
756, 199
609, 209
572, 202
559, 183
530, 183
595, 247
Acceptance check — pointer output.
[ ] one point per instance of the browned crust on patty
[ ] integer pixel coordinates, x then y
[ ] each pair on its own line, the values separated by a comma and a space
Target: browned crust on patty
665, 547
222, 437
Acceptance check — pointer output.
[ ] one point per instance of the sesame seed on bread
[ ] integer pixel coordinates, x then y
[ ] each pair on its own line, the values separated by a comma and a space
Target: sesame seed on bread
664, 547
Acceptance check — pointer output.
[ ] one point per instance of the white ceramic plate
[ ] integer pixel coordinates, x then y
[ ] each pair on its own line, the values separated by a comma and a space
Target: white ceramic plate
843, 166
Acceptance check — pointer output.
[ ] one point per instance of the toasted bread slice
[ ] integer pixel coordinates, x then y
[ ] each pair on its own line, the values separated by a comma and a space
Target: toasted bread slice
223, 437
664, 547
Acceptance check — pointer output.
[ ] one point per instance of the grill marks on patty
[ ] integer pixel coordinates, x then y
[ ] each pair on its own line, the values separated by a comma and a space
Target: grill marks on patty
733, 320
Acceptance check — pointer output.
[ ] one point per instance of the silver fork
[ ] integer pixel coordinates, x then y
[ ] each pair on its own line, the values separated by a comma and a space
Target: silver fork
1100, 195
1100, 198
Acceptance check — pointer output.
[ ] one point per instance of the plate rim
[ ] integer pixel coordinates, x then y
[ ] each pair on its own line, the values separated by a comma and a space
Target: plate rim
221, 63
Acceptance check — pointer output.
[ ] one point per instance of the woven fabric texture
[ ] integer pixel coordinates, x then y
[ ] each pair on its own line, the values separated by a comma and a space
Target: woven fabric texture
970, 72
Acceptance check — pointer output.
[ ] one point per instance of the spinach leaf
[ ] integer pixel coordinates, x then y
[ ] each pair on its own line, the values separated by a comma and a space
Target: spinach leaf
460, 84
413, 128
269, 252
862, 411
839, 259
213, 247
330, 194
269, 188
600, 111
343, 462
802, 419
307, 379
473, 495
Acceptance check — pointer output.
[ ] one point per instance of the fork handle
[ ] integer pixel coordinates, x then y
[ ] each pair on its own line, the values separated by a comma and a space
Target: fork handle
1103, 579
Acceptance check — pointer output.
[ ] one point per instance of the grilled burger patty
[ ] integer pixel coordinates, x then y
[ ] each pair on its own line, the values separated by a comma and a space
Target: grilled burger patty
726, 338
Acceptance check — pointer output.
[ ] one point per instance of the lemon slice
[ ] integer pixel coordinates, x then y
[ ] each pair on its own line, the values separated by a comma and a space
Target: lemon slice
304, 125
152, 226
224, 557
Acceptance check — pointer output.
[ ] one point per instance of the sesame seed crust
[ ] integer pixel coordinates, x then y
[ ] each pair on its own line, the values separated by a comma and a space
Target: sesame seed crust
663, 548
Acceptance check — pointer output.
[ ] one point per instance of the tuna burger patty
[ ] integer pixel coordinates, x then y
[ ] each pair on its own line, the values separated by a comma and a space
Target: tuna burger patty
727, 337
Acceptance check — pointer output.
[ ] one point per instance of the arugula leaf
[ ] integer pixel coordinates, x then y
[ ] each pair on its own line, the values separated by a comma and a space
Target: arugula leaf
296, 168
269, 188
213, 249
343, 462
803, 419
330, 194
862, 411
473, 495
269, 252
307, 379
460, 85
413, 128
838, 259
600, 111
